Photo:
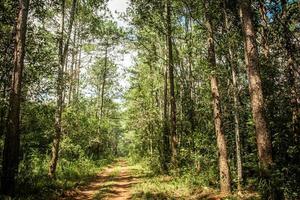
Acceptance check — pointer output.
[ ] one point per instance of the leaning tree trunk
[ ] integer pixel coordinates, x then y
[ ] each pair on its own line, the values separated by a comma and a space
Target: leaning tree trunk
221, 141
63, 52
12, 136
257, 101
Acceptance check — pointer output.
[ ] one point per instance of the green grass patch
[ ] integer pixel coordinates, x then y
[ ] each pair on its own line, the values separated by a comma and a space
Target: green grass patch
187, 185
162, 187
70, 174
115, 172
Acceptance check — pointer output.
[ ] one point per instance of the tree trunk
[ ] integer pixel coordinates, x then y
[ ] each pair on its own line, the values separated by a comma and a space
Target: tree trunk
63, 51
12, 136
77, 71
58, 112
165, 137
103, 81
255, 87
72, 69
236, 105
221, 141
174, 140
237, 128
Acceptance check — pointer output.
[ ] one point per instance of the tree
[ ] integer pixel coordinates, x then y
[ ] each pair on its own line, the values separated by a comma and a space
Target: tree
264, 145
236, 101
63, 51
12, 136
221, 142
174, 139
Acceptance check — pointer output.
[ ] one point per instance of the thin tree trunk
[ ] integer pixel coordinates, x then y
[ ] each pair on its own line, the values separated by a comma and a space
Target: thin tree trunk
237, 128
174, 140
166, 141
12, 136
72, 69
77, 69
63, 51
103, 81
58, 112
255, 87
191, 110
221, 141
233, 65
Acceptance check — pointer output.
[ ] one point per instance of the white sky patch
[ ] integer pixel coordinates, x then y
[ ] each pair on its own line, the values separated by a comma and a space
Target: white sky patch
126, 60
118, 7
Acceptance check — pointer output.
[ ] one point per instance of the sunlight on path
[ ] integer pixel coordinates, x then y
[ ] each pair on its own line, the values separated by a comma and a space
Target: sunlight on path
114, 183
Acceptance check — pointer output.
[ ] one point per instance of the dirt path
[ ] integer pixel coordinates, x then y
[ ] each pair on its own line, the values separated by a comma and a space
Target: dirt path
113, 183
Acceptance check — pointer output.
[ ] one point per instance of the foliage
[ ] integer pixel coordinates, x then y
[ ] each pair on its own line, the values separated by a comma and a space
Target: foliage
102, 120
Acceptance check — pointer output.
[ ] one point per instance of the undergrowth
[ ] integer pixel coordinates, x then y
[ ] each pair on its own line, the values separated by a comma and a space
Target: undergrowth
185, 185
34, 182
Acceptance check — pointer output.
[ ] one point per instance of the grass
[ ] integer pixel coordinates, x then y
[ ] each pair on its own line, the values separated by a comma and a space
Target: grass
187, 186
163, 187
70, 174
116, 171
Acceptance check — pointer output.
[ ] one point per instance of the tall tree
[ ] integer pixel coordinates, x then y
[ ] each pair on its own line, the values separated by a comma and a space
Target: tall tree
12, 136
221, 141
165, 131
255, 88
236, 105
63, 52
174, 139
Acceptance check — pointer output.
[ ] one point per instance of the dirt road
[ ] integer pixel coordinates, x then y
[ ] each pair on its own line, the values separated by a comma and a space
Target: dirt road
113, 183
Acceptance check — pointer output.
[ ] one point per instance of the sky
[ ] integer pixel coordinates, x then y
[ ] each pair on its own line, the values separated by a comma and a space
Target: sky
116, 7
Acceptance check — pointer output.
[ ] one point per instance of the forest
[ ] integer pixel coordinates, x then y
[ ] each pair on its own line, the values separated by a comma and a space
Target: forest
150, 99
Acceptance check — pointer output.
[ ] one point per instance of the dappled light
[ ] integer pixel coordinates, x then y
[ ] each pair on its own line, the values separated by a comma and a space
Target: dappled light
149, 99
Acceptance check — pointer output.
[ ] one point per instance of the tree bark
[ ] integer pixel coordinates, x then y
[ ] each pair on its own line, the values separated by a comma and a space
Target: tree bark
12, 136
174, 140
221, 141
257, 101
